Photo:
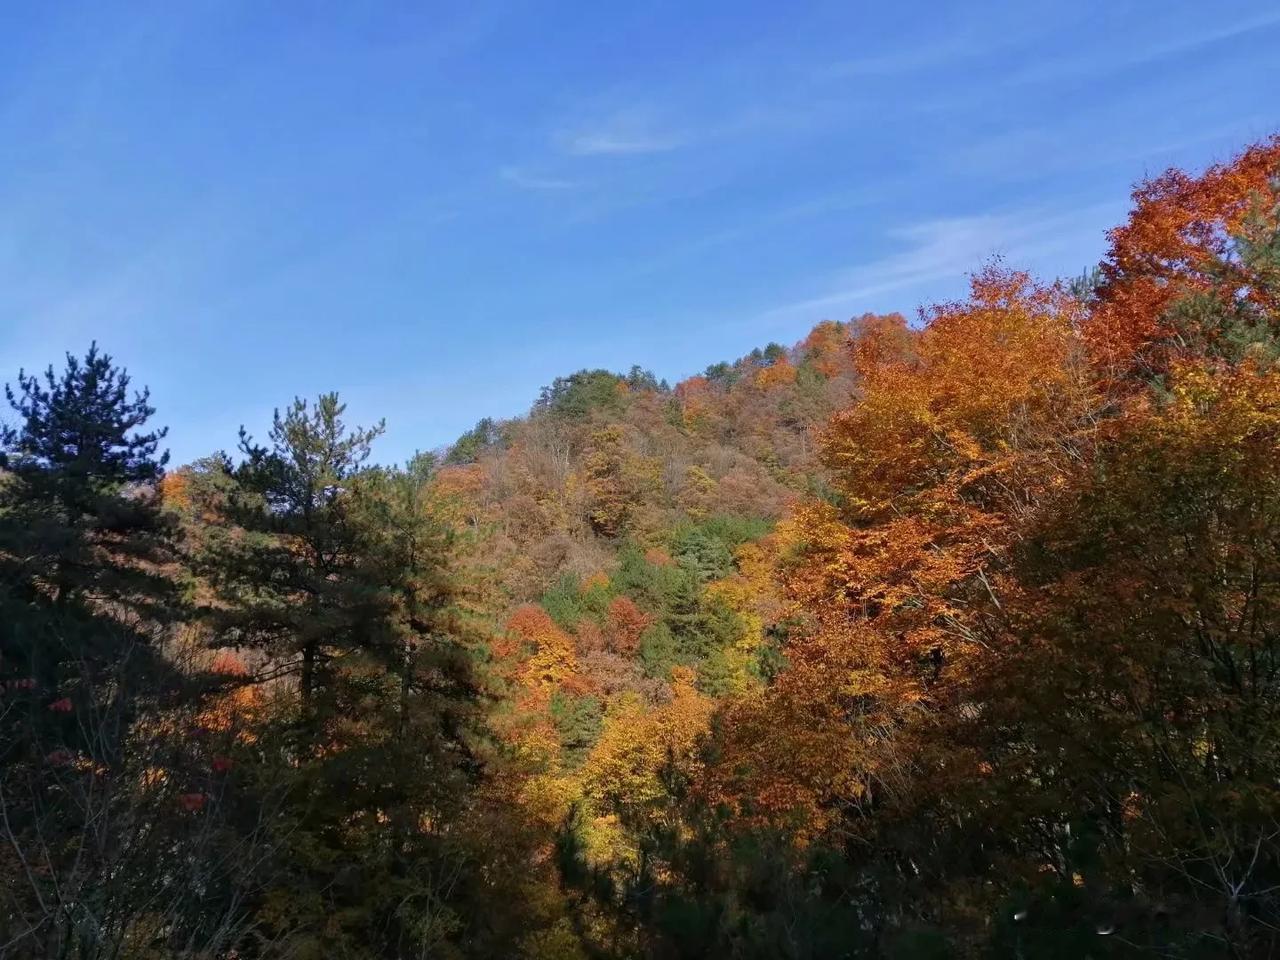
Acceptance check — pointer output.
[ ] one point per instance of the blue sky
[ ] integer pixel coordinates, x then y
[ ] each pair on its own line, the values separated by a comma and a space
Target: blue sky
437, 208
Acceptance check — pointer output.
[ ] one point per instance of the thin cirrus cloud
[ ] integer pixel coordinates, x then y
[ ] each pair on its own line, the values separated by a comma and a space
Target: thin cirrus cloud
949, 248
896, 63
527, 180
1064, 68
914, 54
624, 133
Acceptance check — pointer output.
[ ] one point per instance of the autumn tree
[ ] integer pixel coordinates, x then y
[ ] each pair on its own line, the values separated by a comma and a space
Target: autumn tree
1142, 628
1181, 276
1029, 659
1139, 619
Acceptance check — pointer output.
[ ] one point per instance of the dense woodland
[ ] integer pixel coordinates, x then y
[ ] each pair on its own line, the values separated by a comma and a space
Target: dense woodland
951, 637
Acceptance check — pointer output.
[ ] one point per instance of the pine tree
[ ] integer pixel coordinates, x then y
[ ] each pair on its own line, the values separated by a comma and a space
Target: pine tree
286, 580
85, 551
95, 708
342, 575
79, 500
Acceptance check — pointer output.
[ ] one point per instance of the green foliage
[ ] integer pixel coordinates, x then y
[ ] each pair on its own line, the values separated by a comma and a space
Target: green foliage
567, 602
641, 379
706, 549
717, 673
92, 695
717, 626
81, 430
83, 541
701, 553
770, 657
346, 576
659, 651
691, 626
468, 447
79, 504
723, 373
594, 599
656, 588
578, 721
810, 382
290, 583
579, 395
1084, 287
340, 586
562, 600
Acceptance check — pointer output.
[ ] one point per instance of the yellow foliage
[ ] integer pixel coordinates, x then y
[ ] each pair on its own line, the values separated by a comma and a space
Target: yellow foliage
623, 769
776, 374
546, 799
606, 842
555, 943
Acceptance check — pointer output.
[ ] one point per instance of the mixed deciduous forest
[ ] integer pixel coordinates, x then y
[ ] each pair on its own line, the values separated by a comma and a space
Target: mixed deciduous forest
956, 636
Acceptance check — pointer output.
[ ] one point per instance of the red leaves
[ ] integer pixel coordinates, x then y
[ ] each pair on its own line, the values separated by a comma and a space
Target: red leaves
222, 764
191, 802
588, 636
658, 557
228, 665
61, 706
624, 623
59, 758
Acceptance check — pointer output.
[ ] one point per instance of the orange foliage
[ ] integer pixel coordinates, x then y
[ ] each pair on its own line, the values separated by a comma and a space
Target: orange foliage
466, 481
955, 442
880, 339
695, 396
776, 374
552, 659
989, 377
227, 664
522, 626
658, 557
233, 711
175, 489
624, 624
1177, 241
823, 345
966, 434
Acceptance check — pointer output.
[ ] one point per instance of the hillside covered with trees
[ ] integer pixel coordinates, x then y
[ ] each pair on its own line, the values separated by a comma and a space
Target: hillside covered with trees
950, 637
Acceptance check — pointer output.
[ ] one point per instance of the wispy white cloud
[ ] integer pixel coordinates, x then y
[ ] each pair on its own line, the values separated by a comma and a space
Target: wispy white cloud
945, 52
519, 177
896, 63
625, 132
606, 143
950, 248
1139, 54
1041, 151
920, 53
